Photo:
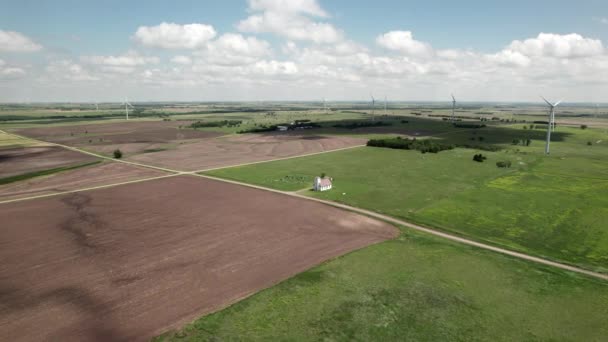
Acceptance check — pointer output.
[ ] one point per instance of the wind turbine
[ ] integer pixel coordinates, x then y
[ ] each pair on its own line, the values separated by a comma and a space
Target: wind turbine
551, 125
373, 105
325, 105
453, 108
96, 107
127, 105
385, 105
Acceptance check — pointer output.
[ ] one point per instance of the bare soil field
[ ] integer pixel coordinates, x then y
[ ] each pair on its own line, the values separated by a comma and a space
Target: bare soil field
131, 137
87, 177
16, 161
130, 262
245, 148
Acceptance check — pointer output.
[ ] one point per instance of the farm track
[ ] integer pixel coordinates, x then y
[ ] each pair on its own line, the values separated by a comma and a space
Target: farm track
369, 213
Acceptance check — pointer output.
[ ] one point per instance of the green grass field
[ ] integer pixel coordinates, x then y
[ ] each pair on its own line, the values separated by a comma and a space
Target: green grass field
416, 288
555, 207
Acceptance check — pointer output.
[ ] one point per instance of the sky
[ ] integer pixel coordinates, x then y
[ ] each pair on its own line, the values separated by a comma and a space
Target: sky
305, 50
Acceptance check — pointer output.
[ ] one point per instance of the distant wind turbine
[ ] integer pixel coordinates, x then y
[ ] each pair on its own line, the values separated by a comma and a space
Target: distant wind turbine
385, 105
127, 105
453, 109
551, 121
373, 105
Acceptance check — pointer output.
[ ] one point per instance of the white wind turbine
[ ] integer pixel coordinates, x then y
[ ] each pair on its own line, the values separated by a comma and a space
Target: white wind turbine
325, 105
373, 105
127, 105
453, 108
385, 105
551, 125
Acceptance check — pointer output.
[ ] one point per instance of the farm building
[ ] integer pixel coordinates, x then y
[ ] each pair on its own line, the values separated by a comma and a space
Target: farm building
322, 184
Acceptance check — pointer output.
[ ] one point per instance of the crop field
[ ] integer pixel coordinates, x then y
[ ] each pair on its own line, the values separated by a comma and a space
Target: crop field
131, 138
16, 161
87, 176
416, 288
101, 249
129, 262
549, 206
240, 149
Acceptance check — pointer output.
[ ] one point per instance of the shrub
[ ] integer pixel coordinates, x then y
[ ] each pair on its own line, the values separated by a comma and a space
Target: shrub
583, 126
469, 125
515, 142
479, 158
528, 142
589, 143
117, 154
504, 164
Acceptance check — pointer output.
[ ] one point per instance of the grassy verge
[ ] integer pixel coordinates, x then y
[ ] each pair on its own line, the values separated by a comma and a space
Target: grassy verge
417, 288
30, 175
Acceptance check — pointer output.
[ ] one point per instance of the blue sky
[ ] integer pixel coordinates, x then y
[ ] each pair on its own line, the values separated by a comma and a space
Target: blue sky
71, 33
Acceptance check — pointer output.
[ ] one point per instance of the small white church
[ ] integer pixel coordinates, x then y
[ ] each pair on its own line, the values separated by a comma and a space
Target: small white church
322, 184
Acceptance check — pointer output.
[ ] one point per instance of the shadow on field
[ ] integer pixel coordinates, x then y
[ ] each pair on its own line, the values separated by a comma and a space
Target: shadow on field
94, 324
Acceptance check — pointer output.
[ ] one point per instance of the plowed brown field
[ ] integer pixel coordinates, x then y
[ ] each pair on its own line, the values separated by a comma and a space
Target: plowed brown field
129, 262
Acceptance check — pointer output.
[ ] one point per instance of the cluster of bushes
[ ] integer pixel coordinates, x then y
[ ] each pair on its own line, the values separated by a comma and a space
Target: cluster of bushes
423, 146
583, 126
223, 123
523, 142
504, 164
469, 125
479, 158
355, 125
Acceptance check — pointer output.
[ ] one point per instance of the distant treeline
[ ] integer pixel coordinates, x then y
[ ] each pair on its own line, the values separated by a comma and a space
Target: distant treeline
424, 146
355, 125
223, 123
468, 125
299, 124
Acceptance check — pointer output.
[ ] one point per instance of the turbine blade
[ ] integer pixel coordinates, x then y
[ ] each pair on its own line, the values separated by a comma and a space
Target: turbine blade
549, 103
557, 103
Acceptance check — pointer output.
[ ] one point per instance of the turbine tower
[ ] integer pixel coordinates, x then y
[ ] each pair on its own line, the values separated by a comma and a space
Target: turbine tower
127, 105
385, 105
96, 107
325, 105
551, 125
453, 108
373, 105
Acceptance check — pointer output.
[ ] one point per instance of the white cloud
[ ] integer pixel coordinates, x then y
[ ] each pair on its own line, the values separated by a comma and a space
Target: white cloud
8, 72
290, 19
555, 45
510, 58
175, 36
234, 49
404, 42
69, 70
310, 7
184, 60
123, 64
12, 41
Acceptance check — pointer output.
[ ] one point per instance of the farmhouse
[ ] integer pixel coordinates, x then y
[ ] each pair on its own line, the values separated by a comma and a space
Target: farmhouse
322, 184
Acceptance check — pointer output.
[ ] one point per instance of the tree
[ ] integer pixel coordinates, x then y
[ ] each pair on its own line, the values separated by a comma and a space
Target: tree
117, 154
583, 126
323, 175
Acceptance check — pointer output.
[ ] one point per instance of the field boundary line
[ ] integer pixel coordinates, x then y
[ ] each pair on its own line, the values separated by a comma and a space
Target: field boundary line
427, 230
278, 159
76, 149
88, 189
